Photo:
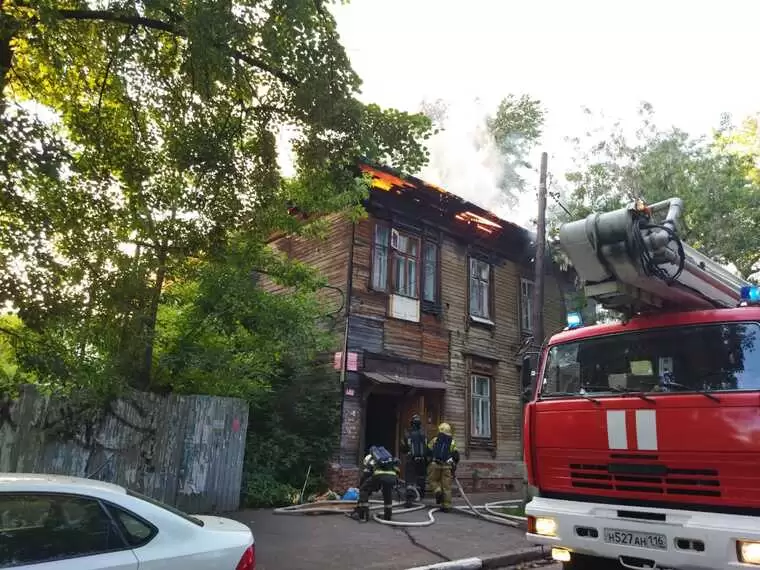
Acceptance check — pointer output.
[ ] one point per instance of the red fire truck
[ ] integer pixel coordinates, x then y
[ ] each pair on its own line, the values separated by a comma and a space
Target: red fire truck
642, 438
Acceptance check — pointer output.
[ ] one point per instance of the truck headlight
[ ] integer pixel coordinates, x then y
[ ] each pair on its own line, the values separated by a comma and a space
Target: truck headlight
749, 552
546, 526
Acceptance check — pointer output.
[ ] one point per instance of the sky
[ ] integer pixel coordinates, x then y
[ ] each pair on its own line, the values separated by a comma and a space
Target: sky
691, 60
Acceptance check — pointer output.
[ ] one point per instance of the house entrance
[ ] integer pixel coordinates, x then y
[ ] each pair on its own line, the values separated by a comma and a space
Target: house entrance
382, 422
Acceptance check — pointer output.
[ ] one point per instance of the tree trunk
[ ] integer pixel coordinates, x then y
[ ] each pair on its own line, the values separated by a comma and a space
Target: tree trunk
149, 330
8, 27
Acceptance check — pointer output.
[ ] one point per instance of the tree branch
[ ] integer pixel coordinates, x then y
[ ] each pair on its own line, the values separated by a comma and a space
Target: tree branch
174, 29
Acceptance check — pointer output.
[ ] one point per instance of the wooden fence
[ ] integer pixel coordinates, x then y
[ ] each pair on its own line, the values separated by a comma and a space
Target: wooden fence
186, 451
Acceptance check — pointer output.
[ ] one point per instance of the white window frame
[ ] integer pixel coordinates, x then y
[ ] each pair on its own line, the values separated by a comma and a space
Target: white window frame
381, 254
527, 288
479, 404
476, 281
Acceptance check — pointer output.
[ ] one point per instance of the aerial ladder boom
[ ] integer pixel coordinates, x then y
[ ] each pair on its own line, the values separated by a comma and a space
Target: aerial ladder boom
628, 262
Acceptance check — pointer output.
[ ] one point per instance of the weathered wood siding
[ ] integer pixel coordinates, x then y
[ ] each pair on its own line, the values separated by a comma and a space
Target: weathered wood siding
496, 345
328, 255
426, 341
186, 451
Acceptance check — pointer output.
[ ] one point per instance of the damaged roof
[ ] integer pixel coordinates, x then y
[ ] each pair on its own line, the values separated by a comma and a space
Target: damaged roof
420, 200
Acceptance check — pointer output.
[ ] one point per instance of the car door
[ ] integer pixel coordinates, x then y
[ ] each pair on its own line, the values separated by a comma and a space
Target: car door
46, 531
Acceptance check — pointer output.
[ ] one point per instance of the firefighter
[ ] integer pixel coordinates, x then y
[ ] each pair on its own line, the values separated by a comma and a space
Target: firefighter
415, 448
444, 459
380, 472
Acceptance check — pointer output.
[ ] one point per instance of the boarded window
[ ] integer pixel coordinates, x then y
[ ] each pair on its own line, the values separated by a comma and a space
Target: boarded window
526, 305
405, 268
430, 272
380, 258
480, 289
481, 406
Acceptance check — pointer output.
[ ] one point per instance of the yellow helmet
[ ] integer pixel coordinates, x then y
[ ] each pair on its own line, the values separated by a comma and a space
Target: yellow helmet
444, 428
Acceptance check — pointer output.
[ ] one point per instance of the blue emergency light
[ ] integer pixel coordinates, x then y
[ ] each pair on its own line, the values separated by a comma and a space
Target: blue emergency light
751, 294
574, 320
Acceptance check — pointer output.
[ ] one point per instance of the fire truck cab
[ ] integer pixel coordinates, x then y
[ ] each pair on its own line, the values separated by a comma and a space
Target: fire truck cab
642, 438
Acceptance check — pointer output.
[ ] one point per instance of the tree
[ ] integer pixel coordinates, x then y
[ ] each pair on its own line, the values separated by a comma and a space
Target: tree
516, 127
716, 178
159, 145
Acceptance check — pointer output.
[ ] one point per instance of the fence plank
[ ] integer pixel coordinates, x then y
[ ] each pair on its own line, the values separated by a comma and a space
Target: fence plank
186, 451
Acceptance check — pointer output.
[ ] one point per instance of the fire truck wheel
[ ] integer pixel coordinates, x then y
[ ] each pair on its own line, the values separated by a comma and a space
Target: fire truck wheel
584, 562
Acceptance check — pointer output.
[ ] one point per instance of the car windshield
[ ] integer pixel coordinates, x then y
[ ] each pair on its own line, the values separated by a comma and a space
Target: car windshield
704, 358
165, 507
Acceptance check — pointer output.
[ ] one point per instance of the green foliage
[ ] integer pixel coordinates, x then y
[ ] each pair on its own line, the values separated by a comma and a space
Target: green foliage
717, 179
261, 490
293, 427
516, 127
159, 148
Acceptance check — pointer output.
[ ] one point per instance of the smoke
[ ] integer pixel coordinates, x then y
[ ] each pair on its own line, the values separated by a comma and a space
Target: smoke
466, 160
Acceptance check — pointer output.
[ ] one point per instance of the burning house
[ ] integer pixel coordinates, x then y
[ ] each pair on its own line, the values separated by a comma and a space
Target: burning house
439, 297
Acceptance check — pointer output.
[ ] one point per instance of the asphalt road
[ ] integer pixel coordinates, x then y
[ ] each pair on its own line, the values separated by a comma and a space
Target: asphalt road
285, 542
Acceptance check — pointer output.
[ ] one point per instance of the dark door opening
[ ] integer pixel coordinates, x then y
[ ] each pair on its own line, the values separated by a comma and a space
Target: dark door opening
381, 422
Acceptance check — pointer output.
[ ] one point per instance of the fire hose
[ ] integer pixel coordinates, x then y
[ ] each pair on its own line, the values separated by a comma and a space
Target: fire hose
487, 512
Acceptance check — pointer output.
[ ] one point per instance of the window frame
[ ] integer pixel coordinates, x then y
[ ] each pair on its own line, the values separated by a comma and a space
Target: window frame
486, 368
105, 509
384, 287
525, 281
395, 254
476, 376
424, 239
490, 319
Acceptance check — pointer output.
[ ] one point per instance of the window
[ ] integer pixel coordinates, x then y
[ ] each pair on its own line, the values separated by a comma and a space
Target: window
405, 264
405, 255
480, 289
380, 258
159, 504
430, 272
135, 530
711, 358
38, 528
526, 305
481, 407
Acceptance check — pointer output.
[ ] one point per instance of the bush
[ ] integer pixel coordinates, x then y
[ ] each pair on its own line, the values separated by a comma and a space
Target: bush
296, 426
263, 491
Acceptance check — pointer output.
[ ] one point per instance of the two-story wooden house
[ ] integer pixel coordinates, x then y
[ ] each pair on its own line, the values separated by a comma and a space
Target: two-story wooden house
439, 297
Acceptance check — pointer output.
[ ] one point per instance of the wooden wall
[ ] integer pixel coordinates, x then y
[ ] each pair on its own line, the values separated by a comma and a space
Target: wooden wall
426, 341
449, 340
329, 256
186, 451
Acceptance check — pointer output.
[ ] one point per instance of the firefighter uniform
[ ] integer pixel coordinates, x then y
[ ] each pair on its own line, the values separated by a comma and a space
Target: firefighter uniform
380, 473
444, 459
416, 450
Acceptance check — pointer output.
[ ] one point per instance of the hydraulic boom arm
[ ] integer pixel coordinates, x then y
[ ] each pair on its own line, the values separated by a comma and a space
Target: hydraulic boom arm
629, 263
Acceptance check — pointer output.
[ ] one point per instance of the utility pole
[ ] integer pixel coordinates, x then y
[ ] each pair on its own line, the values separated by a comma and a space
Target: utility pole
538, 283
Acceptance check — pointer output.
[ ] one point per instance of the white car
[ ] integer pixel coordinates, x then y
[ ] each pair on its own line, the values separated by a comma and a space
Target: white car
67, 523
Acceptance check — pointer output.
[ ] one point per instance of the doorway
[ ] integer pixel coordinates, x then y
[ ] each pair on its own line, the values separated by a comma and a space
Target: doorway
382, 419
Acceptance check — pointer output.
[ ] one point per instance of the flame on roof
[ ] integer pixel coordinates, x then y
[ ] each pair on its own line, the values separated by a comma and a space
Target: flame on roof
483, 224
383, 180
389, 182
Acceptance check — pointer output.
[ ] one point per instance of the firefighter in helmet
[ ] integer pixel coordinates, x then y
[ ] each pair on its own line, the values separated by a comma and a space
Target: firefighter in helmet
416, 450
444, 459
380, 472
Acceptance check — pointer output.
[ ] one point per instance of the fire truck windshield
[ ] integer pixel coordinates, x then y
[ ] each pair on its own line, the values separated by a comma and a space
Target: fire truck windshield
704, 358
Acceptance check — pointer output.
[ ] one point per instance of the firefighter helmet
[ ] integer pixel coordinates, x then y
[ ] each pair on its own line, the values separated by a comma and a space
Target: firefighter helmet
444, 428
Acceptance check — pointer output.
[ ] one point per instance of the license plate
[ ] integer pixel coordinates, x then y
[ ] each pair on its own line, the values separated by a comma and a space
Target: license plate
639, 539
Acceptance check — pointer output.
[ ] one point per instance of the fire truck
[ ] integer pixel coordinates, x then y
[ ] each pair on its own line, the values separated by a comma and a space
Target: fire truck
642, 436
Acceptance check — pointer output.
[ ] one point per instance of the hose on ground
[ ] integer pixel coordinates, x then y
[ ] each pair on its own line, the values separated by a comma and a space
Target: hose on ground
490, 514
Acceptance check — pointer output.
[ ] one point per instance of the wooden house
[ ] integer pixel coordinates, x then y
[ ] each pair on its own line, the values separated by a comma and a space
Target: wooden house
439, 297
